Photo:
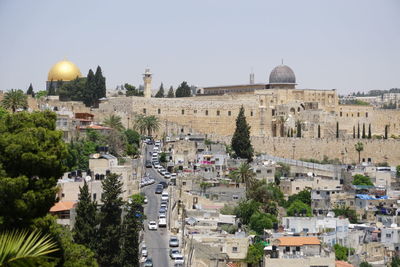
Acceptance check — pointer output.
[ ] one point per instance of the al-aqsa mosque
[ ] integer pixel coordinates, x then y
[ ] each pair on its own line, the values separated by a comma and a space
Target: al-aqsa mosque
61, 72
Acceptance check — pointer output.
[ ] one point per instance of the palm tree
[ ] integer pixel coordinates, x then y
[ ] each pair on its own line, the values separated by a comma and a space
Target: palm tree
244, 174
114, 122
19, 248
14, 100
140, 124
152, 124
359, 147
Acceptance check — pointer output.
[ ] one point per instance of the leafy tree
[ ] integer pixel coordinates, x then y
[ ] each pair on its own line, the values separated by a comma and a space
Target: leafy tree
78, 154
163, 157
21, 248
241, 142
269, 195
398, 171
282, 171
346, 212
171, 93
14, 99
114, 122
74, 90
304, 196
3, 113
361, 180
244, 174
260, 221
117, 143
365, 264
86, 219
133, 223
359, 148
395, 262
132, 137
227, 210
341, 252
297, 207
109, 233
245, 209
255, 253
32, 156
183, 90
41, 94
69, 254
160, 93
30, 91
132, 91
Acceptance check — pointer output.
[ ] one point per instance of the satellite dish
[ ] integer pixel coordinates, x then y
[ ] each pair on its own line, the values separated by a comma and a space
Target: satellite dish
88, 178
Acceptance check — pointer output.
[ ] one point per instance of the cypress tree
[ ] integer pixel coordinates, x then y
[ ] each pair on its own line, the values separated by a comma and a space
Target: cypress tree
363, 131
369, 131
51, 90
288, 133
337, 129
171, 92
358, 131
90, 90
319, 131
133, 223
241, 142
85, 223
30, 91
183, 90
291, 132
354, 132
100, 82
109, 234
160, 92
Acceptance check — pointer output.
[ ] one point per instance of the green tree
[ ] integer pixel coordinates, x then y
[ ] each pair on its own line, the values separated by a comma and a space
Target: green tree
132, 137
133, 223
41, 94
14, 99
183, 90
74, 90
227, 210
260, 221
147, 124
245, 209
341, 252
21, 248
244, 174
3, 113
361, 180
298, 208
365, 264
109, 233
86, 219
51, 89
255, 254
89, 90
171, 93
395, 262
398, 171
304, 196
163, 157
298, 128
32, 156
283, 170
358, 131
359, 148
132, 91
386, 131
241, 142
337, 129
114, 122
319, 131
30, 91
269, 195
100, 82
354, 132
160, 93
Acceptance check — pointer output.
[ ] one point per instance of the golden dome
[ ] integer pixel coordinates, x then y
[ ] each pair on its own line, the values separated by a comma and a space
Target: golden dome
64, 70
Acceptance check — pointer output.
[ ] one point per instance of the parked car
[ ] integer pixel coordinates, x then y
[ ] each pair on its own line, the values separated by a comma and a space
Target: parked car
173, 241
162, 215
164, 205
148, 263
144, 251
179, 259
162, 222
162, 210
148, 164
159, 189
145, 200
164, 184
173, 252
163, 172
173, 175
152, 225
164, 196
167, 175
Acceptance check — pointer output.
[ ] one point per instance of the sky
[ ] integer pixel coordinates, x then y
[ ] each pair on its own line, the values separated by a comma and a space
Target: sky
344, 45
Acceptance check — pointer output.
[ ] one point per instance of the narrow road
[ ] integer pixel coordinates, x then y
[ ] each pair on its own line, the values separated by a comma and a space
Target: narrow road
156, 241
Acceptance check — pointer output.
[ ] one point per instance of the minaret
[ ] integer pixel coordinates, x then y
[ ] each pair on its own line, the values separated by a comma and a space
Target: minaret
251, 77
147, 77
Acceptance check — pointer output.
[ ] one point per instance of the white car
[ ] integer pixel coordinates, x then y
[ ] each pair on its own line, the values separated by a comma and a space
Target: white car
179, 259
155, 154
163, 172
164, 196
145, 200
167, 175
162, 222
144, 251
173, 175
162, 215
157, 166
152, 225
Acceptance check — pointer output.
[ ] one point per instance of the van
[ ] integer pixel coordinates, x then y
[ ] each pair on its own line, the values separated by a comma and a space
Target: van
164, 195
162, 222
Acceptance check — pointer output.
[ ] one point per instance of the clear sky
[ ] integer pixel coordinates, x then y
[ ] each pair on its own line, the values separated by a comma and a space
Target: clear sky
350, 45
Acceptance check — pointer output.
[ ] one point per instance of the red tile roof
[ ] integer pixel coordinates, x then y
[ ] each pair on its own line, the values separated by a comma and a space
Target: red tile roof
62, 206
297, 241
343, 264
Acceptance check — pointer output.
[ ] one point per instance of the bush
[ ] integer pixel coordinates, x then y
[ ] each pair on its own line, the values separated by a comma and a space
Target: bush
361, 180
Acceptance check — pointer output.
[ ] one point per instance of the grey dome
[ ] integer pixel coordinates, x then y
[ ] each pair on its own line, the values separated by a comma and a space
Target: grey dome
282, 74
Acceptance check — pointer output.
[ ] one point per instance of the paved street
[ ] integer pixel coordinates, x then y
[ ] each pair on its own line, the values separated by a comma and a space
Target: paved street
156, 241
